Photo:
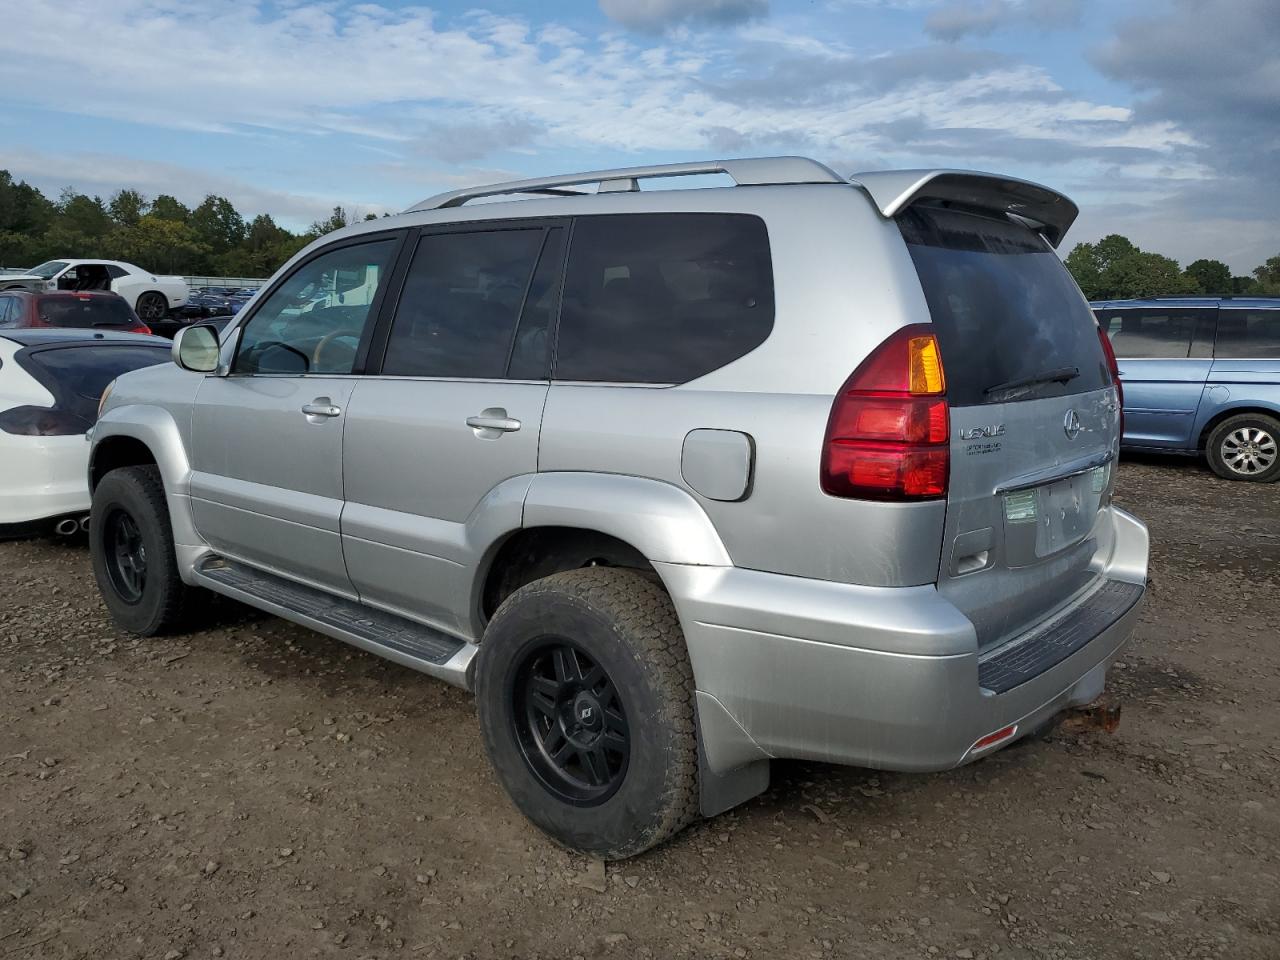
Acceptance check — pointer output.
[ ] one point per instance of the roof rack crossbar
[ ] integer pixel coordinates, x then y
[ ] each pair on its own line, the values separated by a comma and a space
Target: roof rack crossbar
750, 172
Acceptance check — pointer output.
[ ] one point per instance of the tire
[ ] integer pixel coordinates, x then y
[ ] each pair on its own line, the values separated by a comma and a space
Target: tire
1246, 447
622, 623
129, 527
152, 306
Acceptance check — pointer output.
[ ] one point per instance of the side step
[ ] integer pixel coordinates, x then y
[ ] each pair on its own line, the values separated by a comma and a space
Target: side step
403, 641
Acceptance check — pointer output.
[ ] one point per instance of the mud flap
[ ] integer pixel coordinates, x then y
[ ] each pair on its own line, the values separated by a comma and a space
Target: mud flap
718, 792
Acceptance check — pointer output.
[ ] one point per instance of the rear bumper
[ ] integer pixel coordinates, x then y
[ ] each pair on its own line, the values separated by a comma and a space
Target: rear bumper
44, 478
883, 677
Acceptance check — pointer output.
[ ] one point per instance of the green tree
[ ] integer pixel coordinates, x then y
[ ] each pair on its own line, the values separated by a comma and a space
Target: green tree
168, 208
165, 246
1212, 276
1114, 268
23, 208
335, 221
127, 207
217, 224
79, 213
1268, 277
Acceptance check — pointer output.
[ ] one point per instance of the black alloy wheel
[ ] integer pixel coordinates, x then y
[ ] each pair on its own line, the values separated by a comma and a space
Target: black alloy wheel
126, 556
570, 723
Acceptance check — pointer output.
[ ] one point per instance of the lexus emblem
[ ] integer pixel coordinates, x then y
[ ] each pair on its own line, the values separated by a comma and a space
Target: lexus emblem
1071, 424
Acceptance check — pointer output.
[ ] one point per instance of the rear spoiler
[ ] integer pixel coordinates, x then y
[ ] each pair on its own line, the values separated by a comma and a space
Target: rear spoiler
1047, 210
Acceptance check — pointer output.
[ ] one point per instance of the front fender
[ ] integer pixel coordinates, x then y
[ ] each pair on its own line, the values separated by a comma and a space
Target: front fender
156, 428
660, 520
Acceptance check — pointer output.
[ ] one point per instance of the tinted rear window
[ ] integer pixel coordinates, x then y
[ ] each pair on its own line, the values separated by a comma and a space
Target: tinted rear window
1004, 306
663, 298
78, 375
85, 312
1248, 334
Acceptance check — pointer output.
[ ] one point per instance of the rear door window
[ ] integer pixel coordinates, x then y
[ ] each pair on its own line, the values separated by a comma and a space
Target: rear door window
1248, 334
78, 375
460, 303
663, 298
1011, 323
1150, 334
85, 312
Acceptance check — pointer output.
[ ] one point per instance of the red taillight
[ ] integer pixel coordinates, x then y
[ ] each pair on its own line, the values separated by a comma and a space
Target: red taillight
888, 437
1110, 353
140, 328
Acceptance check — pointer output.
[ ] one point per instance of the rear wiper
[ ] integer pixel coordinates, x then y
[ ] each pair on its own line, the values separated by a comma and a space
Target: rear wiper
1059, 375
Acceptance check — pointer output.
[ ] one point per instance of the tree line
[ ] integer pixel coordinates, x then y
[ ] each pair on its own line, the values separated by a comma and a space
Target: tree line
214, 239
160, 234
1115, 268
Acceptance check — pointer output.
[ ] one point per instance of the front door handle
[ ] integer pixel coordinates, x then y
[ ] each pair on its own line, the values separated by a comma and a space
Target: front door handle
492, 422
321, 407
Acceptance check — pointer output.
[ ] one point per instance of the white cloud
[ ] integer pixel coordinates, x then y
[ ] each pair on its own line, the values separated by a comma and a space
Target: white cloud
664, 14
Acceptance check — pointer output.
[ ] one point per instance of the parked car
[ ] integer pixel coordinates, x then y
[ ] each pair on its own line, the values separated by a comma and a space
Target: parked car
23, 309
206, 303
1201, 376
151, 296
816, 468
50, 384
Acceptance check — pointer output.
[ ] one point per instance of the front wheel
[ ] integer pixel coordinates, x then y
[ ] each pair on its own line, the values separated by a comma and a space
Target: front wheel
152, 306
1246, 447
131, 545
585, 696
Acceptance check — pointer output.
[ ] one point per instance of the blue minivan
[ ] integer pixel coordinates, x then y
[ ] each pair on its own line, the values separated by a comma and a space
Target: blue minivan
1201, 374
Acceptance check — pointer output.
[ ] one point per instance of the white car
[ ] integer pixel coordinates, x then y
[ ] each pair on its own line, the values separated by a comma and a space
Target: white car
50, 383
151, 296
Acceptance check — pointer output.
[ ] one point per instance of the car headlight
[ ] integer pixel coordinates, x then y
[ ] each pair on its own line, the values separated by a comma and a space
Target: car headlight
102, 401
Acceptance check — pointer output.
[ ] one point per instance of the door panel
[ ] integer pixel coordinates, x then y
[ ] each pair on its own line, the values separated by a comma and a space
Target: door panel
1161, 398
416, 474
1163, 358
266, 481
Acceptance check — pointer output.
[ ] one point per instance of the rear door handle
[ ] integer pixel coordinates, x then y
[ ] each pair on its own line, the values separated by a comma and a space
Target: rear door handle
321, 407
492, 421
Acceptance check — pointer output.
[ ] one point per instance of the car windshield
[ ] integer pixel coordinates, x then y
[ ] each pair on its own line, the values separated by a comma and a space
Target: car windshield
46, 271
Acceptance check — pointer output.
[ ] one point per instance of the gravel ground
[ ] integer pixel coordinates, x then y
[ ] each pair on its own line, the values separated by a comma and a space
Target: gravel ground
256, 790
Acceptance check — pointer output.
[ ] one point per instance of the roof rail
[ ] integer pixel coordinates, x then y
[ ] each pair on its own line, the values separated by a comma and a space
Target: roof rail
748, 172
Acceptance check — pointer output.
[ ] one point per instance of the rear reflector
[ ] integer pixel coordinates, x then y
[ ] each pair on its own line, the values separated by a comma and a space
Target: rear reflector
888, 436
991, 739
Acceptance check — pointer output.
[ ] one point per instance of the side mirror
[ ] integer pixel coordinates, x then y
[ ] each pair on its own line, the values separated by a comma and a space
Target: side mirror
196, 348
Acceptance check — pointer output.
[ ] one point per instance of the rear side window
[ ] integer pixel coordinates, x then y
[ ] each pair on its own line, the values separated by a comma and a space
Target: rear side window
1248, 335
1011, 322
1155, 334
461, 300
85, 312
78, 375
663, 298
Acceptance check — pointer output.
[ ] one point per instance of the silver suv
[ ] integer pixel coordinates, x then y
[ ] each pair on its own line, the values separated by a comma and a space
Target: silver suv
676, 481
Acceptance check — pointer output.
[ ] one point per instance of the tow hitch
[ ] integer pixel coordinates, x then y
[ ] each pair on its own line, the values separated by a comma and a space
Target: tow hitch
1101, 714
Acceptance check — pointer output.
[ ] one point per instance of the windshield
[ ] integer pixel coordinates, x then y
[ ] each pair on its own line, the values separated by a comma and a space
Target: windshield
47, 270
101, 311
1011, 322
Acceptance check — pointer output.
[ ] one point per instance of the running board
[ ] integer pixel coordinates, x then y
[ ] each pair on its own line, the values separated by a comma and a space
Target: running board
386, 635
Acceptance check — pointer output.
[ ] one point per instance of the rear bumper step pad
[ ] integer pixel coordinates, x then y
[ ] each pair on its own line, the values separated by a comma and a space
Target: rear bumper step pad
1026, 660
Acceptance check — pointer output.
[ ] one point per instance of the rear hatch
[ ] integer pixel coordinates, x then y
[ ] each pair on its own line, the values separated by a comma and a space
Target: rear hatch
1034, 417
87, 310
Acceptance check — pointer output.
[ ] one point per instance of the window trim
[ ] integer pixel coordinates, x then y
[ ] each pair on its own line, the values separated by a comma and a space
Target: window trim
359, 364
377, 353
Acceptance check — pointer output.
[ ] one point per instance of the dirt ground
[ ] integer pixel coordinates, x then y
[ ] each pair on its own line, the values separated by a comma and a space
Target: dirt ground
256, 790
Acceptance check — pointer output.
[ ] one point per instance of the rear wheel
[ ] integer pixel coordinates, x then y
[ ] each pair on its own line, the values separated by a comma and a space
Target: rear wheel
1246, 447
131, 544
585, 696
152, 306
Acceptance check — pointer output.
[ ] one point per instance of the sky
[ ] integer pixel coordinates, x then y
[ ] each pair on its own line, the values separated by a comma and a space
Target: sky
1160, 118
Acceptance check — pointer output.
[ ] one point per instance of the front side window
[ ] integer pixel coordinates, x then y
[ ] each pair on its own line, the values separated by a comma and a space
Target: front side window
460, 303
663, 298
1150, 334
314, 321
1248, 335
